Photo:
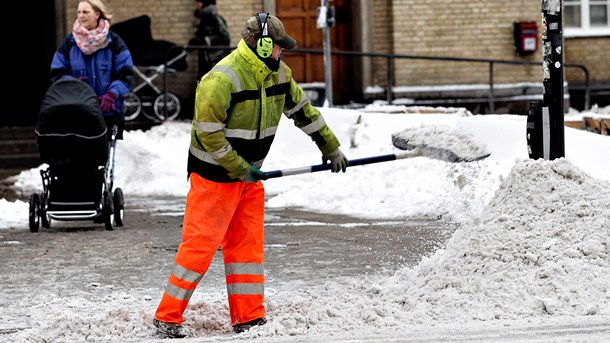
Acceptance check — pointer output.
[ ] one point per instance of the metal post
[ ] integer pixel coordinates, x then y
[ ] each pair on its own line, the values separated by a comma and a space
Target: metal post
552, 67
328, 78
390, 80
492, 101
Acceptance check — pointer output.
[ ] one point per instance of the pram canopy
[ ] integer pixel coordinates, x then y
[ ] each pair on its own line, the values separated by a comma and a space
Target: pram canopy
145, 51
70, 129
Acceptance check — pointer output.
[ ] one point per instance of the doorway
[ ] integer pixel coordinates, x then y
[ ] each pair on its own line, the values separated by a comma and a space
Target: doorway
299, 18
30, 76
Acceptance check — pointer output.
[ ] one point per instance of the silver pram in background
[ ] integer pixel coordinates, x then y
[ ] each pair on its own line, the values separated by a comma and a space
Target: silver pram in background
149, 57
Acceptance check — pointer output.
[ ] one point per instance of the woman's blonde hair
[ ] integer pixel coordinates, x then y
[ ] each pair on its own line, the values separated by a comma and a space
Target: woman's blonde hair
98, 5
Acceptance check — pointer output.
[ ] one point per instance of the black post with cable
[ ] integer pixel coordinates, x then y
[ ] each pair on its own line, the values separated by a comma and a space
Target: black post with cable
552, 49
545, 122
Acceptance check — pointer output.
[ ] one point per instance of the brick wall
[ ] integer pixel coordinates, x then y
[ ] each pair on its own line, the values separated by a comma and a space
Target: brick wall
457, 28
593, 53
382, 37
460, 28
173, 20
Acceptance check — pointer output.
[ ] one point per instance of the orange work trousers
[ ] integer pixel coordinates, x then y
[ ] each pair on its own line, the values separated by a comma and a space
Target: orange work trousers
230, 215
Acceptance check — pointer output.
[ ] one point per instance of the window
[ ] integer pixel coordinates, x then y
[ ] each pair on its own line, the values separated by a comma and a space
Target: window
586, 17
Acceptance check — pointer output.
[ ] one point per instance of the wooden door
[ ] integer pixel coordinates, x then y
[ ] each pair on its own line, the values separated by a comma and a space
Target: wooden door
299, 18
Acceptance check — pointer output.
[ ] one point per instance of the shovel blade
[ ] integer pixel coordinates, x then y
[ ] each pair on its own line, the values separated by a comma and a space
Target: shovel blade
441, 143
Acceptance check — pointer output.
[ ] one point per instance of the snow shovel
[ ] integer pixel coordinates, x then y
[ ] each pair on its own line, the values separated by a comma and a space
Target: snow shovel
428, 141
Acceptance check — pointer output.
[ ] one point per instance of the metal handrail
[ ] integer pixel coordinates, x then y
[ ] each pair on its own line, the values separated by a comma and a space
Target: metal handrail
390, 70
491, 99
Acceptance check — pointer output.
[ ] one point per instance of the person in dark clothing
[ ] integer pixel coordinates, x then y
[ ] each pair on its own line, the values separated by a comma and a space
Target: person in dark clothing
212, 30
94, 54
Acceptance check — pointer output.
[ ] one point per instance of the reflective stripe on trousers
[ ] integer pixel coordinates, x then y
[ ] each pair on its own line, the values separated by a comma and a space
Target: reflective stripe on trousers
230, 215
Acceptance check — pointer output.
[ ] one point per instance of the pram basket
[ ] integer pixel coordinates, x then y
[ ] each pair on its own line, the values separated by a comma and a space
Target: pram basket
73, 139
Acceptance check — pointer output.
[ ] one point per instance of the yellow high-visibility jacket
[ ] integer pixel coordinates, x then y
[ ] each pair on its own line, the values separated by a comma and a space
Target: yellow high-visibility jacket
238, 106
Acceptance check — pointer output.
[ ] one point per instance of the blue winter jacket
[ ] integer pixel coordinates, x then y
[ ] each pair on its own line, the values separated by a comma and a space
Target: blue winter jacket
107, 68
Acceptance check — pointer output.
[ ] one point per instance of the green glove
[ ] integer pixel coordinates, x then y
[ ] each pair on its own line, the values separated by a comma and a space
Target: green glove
338, 161
253, 174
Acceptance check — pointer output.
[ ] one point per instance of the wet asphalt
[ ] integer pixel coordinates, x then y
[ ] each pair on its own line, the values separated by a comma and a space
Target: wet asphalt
299, 245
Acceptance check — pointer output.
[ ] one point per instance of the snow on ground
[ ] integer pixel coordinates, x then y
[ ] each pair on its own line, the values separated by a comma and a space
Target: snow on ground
530, 263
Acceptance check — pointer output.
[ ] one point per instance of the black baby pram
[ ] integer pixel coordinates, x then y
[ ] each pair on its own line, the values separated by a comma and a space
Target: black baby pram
74, 141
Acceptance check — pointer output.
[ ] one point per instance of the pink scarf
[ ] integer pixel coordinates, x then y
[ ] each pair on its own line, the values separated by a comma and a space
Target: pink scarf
90, 41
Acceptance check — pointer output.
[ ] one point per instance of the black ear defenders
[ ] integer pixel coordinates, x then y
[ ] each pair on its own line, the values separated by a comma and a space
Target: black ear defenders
264, 45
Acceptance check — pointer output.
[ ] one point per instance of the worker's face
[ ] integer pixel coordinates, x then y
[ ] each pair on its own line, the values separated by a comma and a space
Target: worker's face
86, 15
276, 54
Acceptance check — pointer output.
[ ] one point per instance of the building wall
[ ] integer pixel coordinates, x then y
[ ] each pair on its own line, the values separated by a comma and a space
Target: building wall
593, 53
461, 28
173, 20
458, 28
382, 21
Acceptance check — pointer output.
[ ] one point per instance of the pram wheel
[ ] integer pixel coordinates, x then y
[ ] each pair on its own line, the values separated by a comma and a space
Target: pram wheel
132, 106
45, 219
119, 207
34, 218
107, 212
172, 103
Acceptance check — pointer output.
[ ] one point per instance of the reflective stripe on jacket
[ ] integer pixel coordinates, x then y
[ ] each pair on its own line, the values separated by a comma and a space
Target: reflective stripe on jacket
238, 107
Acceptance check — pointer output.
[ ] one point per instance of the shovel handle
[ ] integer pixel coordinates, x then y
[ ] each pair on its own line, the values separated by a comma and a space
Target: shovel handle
351, 163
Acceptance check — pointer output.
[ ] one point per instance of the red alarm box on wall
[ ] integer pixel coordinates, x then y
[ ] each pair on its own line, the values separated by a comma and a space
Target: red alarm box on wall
526, 37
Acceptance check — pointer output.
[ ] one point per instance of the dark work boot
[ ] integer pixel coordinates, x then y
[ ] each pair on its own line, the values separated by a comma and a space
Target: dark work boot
243, 327
171, 330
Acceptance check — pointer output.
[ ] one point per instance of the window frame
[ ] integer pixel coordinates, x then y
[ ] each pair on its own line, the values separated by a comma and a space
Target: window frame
585, 30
